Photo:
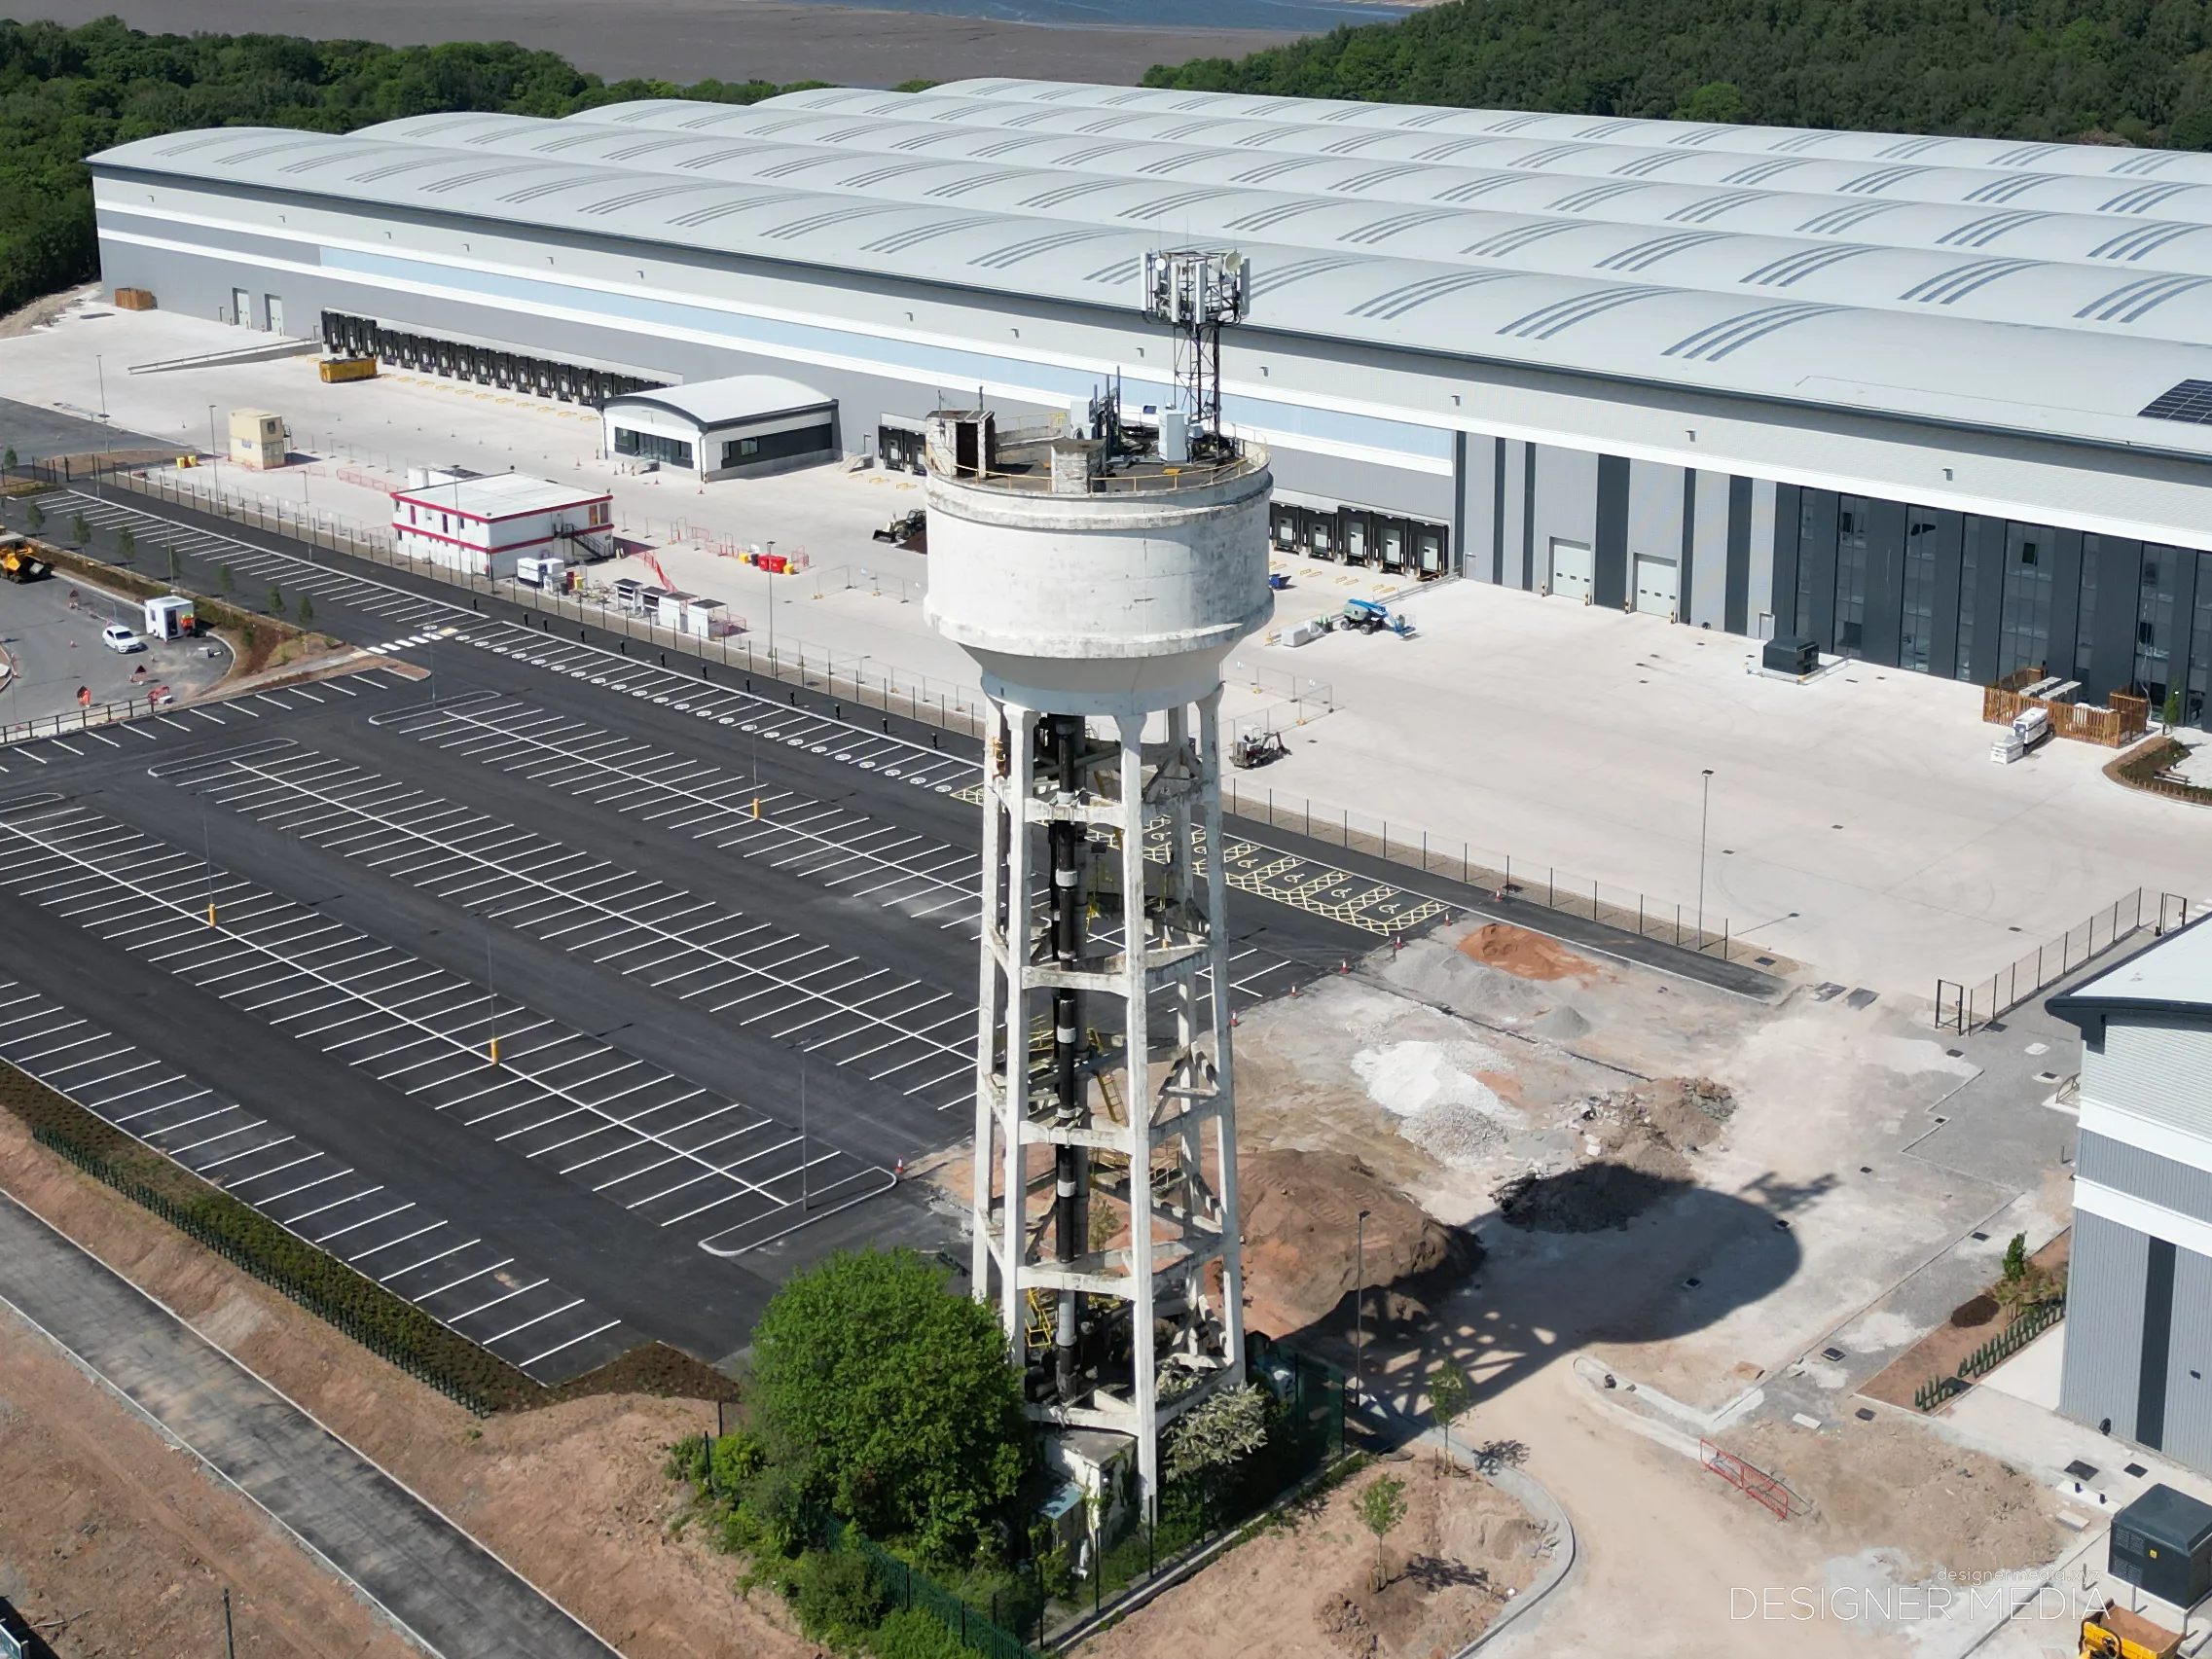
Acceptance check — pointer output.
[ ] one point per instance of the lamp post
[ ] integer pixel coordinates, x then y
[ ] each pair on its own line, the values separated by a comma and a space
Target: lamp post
1704, 816
1360, 1309
213, 453
771, 575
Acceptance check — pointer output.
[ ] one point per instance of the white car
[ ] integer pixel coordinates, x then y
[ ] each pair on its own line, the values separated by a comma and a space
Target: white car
117, 637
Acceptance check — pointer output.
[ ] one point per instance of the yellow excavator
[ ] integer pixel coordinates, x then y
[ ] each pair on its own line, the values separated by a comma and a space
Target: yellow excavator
18, 562
2115, 1632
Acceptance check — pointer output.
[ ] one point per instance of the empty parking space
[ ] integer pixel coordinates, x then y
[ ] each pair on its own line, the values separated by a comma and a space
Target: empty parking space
867, 1019
457, 1277
672, 1153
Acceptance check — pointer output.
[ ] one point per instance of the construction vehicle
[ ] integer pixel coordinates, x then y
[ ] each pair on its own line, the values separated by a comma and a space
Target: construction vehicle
910, 530
1372, 615
18, 564
1257, 749
2115, 1632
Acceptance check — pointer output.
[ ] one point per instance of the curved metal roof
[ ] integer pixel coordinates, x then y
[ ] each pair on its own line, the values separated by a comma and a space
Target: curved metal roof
1974, 261
1949, 329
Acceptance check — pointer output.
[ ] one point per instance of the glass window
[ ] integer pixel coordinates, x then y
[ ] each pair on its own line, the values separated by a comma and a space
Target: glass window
1970, 584
1850, 575
1918, 624
1808, 539
2086, 618
2199, 645
2023, 639
652, 447
2154, 621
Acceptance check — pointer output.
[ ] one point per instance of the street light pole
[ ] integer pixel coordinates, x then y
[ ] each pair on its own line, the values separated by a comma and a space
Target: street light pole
1360, 1309
213, 453
1704, 816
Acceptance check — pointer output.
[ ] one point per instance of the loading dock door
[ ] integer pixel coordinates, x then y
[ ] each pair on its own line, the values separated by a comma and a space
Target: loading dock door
1657, 588
1572, 570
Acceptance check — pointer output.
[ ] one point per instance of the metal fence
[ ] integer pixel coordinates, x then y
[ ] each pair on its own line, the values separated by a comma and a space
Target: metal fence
867, 682
80, 719
906, 1586
859, 677
1528, 880
1966, 1008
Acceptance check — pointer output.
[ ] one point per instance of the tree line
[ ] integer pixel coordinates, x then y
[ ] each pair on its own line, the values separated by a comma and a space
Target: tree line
2106, 71
67, 93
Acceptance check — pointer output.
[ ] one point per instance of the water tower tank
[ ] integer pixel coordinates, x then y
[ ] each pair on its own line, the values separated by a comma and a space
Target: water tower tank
1084, 589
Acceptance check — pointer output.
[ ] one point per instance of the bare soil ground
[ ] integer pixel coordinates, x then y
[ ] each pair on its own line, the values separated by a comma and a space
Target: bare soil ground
1941, 1511
1309, 1586
104, 1526
572, 1496
1972, 1323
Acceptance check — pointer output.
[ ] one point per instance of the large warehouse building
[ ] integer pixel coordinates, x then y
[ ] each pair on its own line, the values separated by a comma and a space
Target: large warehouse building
1939, 403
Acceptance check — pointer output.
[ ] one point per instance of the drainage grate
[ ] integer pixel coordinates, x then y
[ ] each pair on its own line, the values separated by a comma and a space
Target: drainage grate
1832, 1356
2081, 1471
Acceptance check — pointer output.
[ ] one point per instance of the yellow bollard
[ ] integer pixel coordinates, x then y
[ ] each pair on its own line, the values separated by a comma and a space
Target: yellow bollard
756, 806
495, 1051
210, 915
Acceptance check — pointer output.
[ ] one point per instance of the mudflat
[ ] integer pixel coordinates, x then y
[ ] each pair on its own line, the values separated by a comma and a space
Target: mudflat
730, 40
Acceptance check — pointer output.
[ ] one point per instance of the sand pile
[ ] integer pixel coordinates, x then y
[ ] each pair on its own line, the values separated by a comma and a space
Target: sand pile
1437, 973
1525, 955
1436, 1093
1300, 1213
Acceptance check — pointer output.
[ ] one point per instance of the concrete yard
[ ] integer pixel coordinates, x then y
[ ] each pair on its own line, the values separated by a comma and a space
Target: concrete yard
1857, 825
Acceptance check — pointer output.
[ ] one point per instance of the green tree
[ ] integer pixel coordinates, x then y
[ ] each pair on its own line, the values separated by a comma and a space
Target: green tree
2016, 1259
126, 547
1717, 101
275, 606
35, 518
1448, 1396
67, 92
224, 582
176, 570
899, 1396
7, 462
1381, 1506
80, 528
307, 609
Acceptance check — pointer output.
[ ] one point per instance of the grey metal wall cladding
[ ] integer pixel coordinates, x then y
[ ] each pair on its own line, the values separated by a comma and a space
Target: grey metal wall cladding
1565, 502
2157, 1353
1686, 571
224, 238
2158, 1066
2104, 1324
1735, 615
1656, 523
1608, 583
1419, 495
1765, 507
2163, 1181
2188, 1429
1708, 592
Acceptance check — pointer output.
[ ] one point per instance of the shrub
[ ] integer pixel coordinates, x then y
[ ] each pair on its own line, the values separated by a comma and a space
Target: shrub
913, 1634
835, 1595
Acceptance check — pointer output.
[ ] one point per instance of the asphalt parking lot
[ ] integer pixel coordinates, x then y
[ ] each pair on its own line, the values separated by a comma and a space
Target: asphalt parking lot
723, 938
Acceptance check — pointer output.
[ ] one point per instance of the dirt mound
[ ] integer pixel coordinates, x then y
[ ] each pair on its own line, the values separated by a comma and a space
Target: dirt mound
1437, 973
1973, 1311
1301, 1221
1525, 955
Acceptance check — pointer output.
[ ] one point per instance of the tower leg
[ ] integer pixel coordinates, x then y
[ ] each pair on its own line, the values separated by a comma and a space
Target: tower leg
992, 891
1017, 785
1136, 927
1224, 1069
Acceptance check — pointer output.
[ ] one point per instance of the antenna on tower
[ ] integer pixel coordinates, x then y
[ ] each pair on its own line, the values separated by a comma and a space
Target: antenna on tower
1197, 292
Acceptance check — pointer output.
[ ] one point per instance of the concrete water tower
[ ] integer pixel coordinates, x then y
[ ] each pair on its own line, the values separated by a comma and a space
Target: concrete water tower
1098, 584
